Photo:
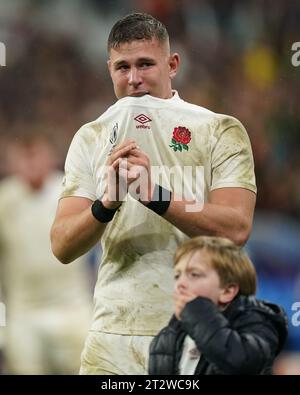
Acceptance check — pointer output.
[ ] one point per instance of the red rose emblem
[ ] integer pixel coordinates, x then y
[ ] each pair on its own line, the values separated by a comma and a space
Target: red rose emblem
181, 137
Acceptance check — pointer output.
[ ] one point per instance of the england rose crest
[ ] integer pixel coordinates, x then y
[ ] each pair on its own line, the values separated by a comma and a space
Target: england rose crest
181, 138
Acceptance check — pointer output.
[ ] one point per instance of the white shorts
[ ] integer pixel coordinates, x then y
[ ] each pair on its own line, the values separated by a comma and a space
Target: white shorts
108, 354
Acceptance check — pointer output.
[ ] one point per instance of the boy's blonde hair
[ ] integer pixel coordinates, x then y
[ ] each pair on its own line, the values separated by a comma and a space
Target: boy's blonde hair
230, 262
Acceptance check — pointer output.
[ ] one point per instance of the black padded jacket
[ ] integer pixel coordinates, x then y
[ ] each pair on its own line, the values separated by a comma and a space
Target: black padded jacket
243, 339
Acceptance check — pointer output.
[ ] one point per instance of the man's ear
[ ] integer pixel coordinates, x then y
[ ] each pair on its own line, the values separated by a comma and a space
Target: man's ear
228, 293
109, 66
174, 62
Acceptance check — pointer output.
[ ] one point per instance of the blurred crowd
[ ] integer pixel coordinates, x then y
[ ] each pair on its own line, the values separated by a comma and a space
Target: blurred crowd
236, 59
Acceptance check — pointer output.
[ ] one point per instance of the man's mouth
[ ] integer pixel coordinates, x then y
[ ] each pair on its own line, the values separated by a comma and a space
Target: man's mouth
138, 94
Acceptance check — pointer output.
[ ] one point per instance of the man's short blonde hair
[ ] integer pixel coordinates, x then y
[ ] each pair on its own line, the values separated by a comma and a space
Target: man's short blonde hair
230, 262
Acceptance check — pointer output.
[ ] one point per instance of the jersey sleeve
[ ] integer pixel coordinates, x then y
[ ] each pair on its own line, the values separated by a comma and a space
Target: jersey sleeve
78, 179
232, 158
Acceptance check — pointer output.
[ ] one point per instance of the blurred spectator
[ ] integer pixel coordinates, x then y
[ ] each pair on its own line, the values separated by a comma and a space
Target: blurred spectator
48, 306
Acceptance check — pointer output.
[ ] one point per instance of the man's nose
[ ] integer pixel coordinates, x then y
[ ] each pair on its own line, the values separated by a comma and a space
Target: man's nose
134, 77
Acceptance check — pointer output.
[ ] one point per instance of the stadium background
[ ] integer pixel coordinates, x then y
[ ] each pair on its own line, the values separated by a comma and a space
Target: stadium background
236, 59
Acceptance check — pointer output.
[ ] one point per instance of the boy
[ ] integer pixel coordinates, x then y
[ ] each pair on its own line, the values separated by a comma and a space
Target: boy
218, 327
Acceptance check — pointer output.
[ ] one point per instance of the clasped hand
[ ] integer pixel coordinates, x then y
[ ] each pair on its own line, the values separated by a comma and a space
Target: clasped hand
128, 170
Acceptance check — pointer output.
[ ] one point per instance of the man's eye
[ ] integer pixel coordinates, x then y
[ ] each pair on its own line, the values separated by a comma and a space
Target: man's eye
146, 64
122, 67
176, 276
195, 274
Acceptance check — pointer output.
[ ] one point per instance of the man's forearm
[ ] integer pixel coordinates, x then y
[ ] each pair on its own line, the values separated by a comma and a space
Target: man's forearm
74, 235
212, 220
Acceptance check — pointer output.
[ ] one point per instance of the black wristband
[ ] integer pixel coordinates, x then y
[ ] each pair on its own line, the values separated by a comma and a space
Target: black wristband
101, 213
161, 200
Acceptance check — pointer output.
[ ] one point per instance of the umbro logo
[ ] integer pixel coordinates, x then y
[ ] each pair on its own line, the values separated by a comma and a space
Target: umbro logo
142, 119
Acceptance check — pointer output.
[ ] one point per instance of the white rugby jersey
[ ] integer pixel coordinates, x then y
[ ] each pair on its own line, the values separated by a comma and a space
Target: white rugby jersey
133, 294
31, 277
